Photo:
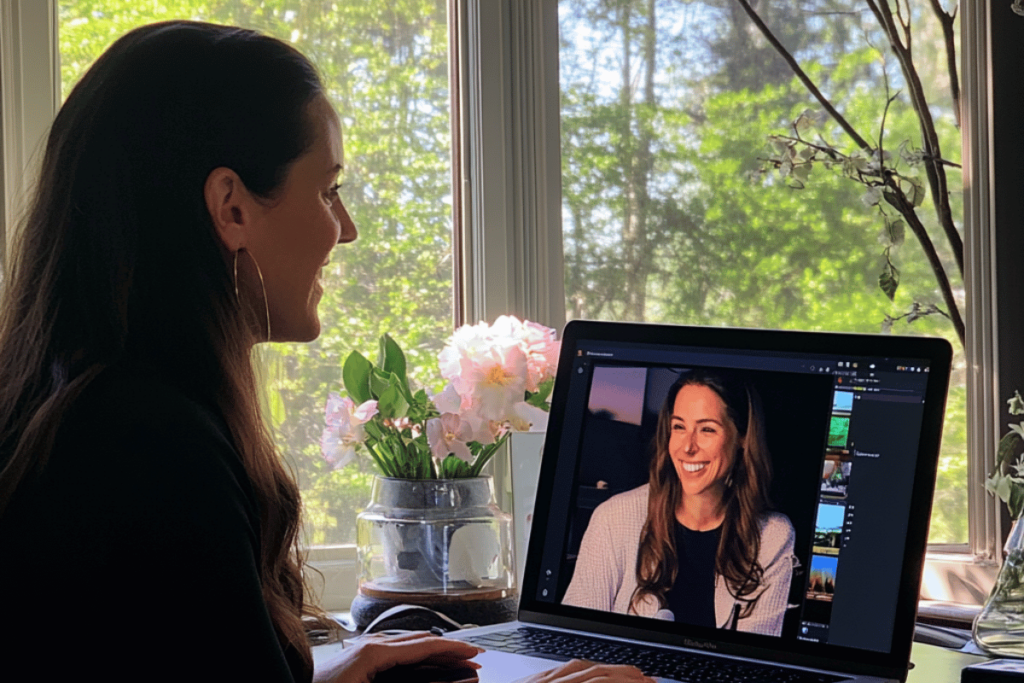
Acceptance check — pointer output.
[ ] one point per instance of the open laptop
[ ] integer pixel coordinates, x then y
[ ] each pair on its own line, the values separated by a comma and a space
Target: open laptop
852, 424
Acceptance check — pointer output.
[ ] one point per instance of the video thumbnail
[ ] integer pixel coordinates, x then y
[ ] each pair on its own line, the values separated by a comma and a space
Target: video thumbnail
822, 581
838, 431
835, 476
828, 528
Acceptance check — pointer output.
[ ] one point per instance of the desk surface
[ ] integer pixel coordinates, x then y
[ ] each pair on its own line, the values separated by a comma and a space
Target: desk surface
933, 664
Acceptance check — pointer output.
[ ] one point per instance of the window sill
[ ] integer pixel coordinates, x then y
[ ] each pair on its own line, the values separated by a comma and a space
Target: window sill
956, 584
332, 576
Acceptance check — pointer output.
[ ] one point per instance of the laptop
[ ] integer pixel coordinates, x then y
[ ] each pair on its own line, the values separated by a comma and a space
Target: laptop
850, 428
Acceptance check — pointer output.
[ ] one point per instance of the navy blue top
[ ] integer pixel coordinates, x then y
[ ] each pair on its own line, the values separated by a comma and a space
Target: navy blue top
692, 597
135, 554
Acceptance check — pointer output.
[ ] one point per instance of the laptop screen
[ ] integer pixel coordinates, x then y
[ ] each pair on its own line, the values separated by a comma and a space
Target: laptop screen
717, 487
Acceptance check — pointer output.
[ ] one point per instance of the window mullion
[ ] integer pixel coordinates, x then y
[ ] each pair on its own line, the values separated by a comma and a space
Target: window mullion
29, 98
512, 243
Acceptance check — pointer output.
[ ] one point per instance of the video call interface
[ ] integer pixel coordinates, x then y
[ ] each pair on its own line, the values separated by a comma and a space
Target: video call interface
842, 437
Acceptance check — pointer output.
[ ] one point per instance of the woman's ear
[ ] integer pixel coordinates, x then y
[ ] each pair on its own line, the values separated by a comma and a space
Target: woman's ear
230, 207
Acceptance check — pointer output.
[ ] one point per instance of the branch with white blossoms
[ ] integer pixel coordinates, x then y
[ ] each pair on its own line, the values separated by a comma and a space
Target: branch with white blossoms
1007, 480
499, 377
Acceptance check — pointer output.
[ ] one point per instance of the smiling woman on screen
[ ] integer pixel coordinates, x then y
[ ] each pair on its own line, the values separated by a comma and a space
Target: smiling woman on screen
697, 543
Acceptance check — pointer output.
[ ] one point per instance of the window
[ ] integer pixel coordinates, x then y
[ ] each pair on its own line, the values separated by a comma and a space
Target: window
673, 116
507, 253
389, 82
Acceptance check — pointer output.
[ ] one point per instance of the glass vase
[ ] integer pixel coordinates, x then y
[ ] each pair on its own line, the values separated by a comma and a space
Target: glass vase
438, 543
999, 627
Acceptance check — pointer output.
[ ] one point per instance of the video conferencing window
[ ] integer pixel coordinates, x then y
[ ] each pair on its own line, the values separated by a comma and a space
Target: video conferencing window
744, 499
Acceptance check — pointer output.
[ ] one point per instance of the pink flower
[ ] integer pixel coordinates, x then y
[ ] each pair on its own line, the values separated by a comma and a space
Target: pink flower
542, 354
488, 375
449, 434
344, 430
448, 401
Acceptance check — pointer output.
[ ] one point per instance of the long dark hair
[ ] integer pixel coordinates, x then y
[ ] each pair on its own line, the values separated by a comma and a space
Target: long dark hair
745, 499
117, 261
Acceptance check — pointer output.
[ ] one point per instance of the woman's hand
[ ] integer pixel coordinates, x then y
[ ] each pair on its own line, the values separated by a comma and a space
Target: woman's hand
579, 670
377, 653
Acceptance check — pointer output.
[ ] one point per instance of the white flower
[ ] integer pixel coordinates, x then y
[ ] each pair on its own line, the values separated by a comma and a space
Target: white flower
1016, 404
344, 430
526, 417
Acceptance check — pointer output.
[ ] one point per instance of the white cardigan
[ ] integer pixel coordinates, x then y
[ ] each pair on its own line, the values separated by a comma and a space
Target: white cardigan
605, 575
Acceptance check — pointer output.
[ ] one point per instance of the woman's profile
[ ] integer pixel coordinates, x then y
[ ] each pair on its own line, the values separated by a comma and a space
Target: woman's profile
187, 202
698, 543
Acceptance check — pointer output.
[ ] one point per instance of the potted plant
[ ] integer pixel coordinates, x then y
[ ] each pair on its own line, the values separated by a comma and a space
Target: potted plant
432, 534
999, 627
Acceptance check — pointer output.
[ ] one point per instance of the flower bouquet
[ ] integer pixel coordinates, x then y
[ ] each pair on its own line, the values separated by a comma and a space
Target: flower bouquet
998, 627
1008, 485
499, 379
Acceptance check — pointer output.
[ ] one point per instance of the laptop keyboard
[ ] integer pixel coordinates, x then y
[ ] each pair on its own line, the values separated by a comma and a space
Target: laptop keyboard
653, 661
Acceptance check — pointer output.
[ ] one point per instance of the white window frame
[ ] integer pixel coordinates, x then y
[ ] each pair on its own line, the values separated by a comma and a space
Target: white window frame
511, 243
29, 97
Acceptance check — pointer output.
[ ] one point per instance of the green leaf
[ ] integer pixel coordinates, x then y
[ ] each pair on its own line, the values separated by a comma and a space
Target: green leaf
889, 280
1007, 448
392, 359
454, 468
897, 232
539, 398
1003, 489
380, 381
917, 192
1016, 502
392, 403
373, 429
356, 376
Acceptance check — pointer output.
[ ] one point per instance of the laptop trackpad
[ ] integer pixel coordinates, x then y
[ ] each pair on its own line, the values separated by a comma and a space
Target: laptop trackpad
505, 667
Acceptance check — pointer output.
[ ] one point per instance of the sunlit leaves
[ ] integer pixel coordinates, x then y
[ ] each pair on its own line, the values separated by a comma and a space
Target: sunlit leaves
385, 69
727, 239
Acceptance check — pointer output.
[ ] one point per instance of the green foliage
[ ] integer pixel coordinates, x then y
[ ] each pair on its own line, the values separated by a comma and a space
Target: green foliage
384, 66
666, 128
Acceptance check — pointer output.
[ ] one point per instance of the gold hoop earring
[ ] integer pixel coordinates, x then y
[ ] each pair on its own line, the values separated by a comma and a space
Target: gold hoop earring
263, 287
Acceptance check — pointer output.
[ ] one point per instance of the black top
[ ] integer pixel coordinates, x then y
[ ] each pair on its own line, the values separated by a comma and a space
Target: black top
692, 597
134, 555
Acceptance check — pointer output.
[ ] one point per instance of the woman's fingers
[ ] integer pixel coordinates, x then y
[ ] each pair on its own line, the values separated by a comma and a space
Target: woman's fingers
375, 654
582, 671
413, 648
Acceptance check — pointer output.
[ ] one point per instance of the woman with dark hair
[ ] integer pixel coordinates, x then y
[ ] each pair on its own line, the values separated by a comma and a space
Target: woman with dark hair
148, 531
697, 543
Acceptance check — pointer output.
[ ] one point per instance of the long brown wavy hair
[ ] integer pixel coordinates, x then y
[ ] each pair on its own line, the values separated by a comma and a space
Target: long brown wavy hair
117, 261
745, 498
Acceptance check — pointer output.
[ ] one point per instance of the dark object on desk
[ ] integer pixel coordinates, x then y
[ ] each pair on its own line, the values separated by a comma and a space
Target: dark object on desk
427, 674
412, 618
495, 608
943, 636
994, 671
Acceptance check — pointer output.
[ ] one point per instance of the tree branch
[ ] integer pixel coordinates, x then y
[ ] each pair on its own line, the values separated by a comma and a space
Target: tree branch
896, 197
930, 139
946, 19
804, 78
